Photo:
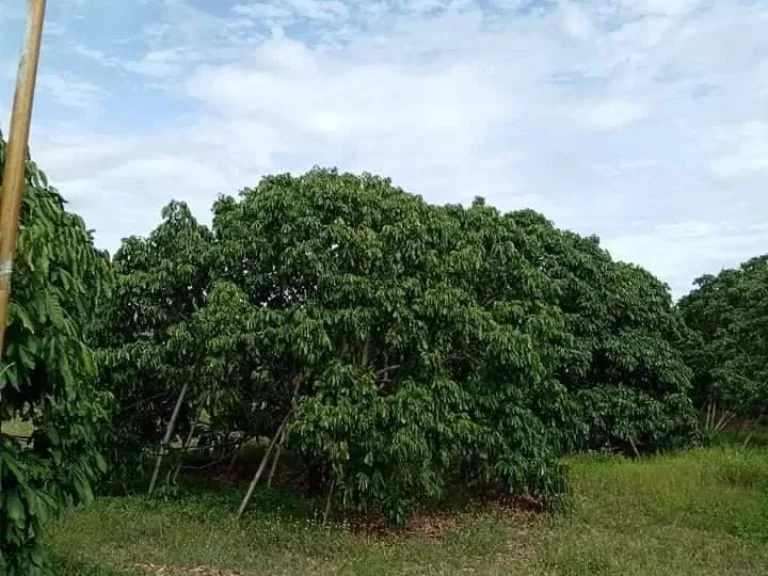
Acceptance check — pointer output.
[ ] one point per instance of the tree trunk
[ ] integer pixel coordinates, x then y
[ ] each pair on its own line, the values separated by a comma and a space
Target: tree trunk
725, 419
167, 438
328, 502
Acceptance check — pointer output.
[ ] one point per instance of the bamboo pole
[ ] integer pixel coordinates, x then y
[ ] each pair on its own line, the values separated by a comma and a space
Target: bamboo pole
16, 156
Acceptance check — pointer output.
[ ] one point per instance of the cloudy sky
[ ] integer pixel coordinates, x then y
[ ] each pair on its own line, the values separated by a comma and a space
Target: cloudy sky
643, 121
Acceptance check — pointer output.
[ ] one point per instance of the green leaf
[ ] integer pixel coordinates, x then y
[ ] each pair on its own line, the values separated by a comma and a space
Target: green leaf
53, 436
100, 463
15, 509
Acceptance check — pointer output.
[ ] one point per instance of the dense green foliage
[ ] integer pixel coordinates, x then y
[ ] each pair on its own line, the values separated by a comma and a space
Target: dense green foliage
405, 346
47, 373
728, 351
408, 373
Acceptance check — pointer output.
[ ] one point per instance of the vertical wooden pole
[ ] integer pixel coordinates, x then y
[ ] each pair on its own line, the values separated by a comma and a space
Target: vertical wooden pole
16, 157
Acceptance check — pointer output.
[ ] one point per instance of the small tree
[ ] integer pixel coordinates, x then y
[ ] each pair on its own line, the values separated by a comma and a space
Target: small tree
150, 355
47, 373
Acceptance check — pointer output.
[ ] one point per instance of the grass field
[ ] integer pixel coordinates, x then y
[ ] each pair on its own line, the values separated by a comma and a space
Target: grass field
695, 513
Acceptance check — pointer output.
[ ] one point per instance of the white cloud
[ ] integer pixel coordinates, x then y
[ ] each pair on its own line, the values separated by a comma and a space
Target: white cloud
693, 249
327, 10
661, 7
610, 115
747, 153
575, 20
98, 56
692, 229
157, 64
69, 91
328, 97
262, 10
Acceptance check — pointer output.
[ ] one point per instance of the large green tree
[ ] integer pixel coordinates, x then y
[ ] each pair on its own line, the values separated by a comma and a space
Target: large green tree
47, 373
623, 364
394, 346
404, 376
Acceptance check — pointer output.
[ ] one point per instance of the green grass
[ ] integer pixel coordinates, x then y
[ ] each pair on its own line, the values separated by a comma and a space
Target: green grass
755, 436
695, 513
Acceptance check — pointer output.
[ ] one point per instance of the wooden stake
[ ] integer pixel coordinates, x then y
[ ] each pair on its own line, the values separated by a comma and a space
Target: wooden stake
262, 467
167, 438
171, 479
276, 459
328, 502
16, 156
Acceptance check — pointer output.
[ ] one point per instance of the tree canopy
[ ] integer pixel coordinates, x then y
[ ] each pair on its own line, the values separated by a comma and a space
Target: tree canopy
407, 375
143, 333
